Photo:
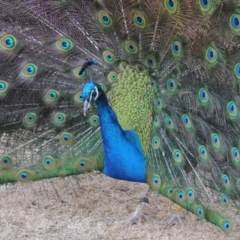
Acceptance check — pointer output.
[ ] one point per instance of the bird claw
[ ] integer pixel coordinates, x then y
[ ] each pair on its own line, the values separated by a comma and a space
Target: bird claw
138, 217
175, 219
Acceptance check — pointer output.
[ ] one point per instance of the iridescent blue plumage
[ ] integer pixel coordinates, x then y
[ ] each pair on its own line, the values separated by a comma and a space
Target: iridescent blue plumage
124, 157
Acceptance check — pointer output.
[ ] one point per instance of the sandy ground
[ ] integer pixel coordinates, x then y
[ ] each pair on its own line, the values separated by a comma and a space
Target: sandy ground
92, 206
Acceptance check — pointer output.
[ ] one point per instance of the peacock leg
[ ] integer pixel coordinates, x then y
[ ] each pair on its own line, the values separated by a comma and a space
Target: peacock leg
174, 219
138, 217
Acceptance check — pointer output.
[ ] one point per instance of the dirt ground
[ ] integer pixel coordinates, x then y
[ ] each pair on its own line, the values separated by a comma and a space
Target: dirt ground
93, 206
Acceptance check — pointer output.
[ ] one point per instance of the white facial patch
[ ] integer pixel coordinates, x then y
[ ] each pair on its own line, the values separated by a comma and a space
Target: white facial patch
87, 104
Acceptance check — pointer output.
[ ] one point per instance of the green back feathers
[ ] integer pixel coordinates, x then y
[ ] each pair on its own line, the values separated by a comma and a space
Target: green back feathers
132, 100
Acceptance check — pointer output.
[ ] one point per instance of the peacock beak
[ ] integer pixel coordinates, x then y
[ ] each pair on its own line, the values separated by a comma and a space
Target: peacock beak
86, 106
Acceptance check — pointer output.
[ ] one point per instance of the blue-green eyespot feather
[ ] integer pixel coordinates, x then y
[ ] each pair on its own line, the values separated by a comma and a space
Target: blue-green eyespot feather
131, 47
108, 56
171, 6
6, 162
64, 45
29, 71
139, 19
8, 42
105, 18
234, 23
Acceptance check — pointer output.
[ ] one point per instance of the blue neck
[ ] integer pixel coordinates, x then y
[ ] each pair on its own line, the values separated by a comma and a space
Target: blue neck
124, 158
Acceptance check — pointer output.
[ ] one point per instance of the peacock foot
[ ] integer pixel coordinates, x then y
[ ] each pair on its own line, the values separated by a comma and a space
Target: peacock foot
138, 217
174, 219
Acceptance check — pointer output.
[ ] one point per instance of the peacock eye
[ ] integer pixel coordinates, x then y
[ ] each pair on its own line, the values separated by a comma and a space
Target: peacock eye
94, 94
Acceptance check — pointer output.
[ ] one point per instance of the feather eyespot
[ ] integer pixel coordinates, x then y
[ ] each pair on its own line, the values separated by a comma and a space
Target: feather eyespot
123, 65
59, 118
180, 197
78, 98
235, 156
215, 141
105, 18
6, 162
203, 96
203, 154
64, 45
206, 5
198, 211
108, 56
171, 85
131, 47
178, 157
112, 76
186, 121
84, 165
151, 61
4, 86
177, 48
51, 97
24, 176
94, 120
171, 5
226, 225
235, 23
237, 70
158, 105
49, 163
190, 193
155, 182
140, 68
169, 123
211, 55
139, 19
232, 110
30, 119
170, 190
8, 42
66, 139
156, 143
235, 152
226, 181
29, 71
224, 201
156, 121
202, 150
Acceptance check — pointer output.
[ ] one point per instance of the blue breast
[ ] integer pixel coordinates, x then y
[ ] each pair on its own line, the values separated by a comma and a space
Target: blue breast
124, 158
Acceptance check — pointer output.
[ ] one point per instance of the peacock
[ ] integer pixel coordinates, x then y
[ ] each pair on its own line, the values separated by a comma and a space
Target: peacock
140, 90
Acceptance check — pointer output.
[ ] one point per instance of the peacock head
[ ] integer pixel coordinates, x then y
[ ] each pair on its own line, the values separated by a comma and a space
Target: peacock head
91, 92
